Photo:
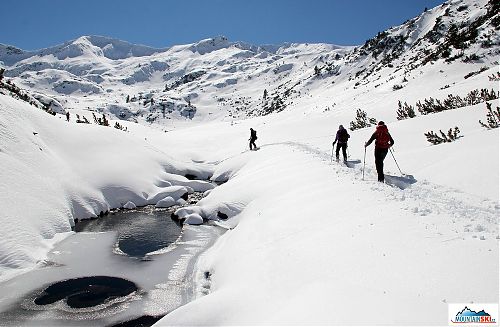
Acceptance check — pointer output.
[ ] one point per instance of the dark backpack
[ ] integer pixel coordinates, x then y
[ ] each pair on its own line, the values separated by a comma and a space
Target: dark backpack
343, 136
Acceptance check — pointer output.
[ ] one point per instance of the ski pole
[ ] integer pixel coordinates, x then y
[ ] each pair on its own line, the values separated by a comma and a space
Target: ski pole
364, 161
396, 161
331, 160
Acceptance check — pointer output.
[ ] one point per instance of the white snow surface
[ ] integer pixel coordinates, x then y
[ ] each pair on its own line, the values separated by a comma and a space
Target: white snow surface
308, 240
54, 171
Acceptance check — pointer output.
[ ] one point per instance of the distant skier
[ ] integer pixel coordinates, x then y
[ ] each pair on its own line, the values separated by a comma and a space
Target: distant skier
253, 138
67, 116
341, 140
383, 141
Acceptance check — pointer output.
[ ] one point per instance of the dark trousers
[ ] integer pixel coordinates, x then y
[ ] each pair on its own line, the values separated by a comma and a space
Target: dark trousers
379, 162
252, 143
344, 150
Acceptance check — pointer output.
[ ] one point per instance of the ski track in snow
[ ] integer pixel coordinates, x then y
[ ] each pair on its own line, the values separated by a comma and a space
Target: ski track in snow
469, 213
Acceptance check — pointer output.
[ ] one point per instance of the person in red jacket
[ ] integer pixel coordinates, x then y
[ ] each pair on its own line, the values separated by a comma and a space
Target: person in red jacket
383, 141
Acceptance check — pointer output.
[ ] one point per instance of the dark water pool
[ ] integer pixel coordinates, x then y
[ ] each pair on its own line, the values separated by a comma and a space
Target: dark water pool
86, 292
140, 231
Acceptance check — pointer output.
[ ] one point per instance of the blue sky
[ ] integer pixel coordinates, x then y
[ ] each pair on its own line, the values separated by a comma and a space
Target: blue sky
35, 24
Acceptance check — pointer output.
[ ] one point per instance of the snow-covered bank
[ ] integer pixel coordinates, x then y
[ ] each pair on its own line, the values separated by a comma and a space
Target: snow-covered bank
54, 171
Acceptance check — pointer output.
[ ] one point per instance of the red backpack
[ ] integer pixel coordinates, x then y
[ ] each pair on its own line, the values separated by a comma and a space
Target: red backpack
383, 140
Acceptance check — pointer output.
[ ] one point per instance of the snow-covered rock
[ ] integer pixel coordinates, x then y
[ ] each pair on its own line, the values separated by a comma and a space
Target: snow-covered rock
175, 192
129, 205
193, 219
165, 202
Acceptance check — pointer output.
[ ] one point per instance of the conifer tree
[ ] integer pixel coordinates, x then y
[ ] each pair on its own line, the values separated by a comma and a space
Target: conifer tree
362, 120
451, 136
492, 117
317, 71
405, 111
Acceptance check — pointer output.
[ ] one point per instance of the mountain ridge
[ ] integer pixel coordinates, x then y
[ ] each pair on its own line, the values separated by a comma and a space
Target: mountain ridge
220, 79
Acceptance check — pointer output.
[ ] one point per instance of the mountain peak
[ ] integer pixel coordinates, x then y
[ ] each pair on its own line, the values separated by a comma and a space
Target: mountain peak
209, 45
114, 48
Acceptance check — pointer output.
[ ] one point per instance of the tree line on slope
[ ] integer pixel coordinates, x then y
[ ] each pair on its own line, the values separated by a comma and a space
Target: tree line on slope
432, 105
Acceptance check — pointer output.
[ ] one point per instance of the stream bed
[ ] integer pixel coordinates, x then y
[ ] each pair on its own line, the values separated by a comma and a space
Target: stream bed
129, 268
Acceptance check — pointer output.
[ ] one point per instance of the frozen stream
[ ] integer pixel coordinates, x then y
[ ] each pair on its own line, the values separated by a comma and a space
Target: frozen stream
143, 246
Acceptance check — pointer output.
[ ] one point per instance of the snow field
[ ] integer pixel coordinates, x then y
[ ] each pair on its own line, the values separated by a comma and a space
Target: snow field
324, 239
312, 236
54, 172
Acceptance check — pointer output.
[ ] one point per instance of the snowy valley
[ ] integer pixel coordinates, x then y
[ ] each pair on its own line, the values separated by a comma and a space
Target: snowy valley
282, 235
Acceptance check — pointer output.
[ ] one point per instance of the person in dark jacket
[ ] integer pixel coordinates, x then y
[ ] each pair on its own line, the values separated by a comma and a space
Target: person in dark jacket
253, 138
383, 141
341, 140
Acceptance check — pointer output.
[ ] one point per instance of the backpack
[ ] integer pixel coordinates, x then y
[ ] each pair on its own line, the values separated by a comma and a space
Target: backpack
383, 140
343, 136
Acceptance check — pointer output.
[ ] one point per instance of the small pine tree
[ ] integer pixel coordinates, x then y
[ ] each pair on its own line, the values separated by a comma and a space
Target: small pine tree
264, 96
317, 71
405, 111
492, 77
120, 127
362, 120
492, 117
84, 120
105, 122
128, 99
451, 136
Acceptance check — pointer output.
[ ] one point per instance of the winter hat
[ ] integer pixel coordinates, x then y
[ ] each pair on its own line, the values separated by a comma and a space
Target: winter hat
381, 123
341, 127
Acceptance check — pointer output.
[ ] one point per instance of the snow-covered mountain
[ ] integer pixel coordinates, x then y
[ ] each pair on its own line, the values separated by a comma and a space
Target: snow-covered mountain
219, 79
310, 241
